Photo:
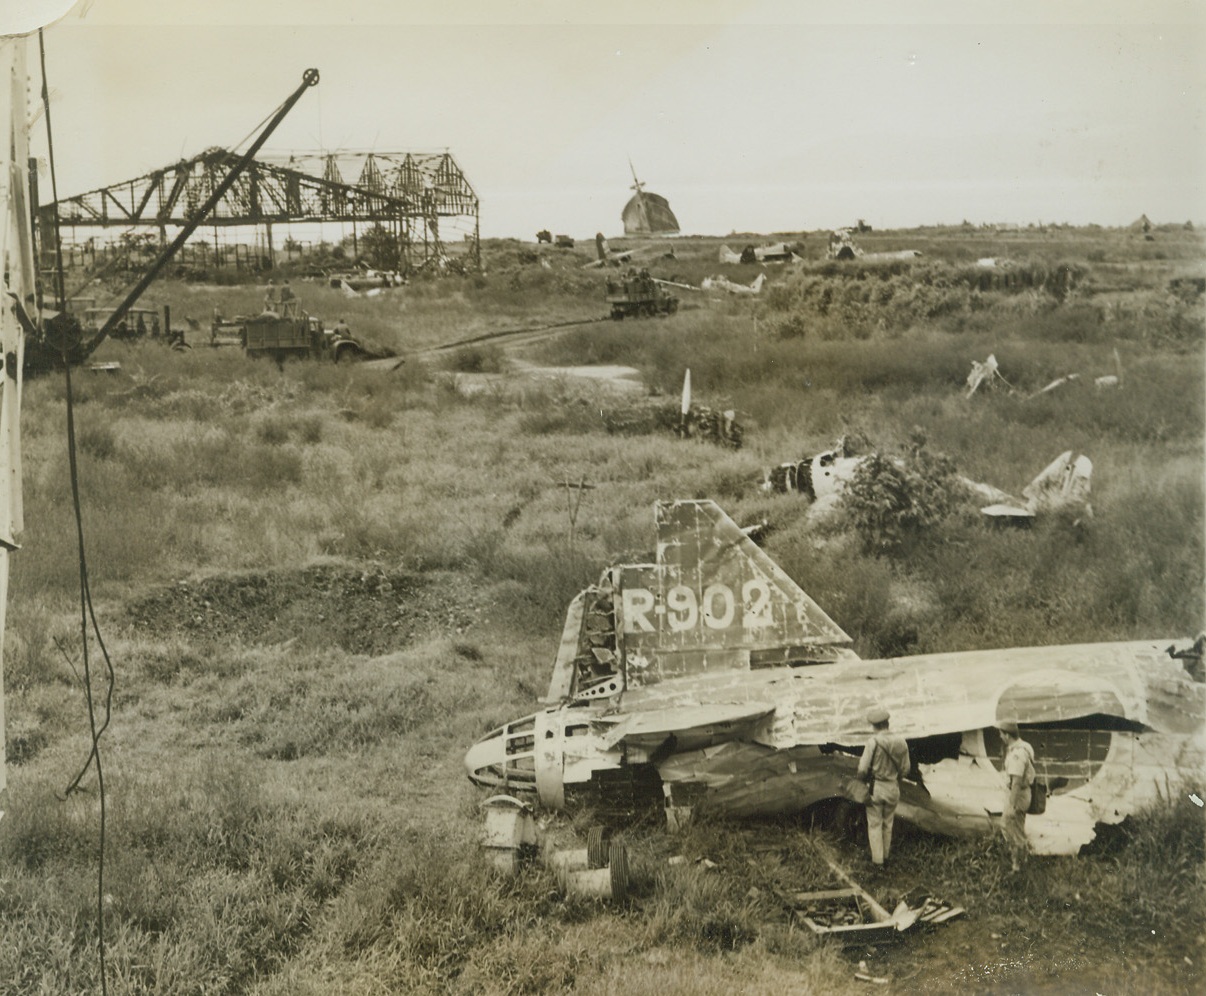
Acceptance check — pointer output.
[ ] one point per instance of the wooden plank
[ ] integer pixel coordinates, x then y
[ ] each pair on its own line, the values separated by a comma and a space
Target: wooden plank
803, 897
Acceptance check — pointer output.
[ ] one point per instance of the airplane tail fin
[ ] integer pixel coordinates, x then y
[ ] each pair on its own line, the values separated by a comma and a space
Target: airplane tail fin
712, 601
1063, 483
602, 250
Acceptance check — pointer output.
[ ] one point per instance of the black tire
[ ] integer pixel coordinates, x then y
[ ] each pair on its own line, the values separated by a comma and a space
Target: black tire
596, 848
617, 860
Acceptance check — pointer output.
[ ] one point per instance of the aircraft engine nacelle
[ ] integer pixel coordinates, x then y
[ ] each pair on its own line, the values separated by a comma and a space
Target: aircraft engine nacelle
543, 752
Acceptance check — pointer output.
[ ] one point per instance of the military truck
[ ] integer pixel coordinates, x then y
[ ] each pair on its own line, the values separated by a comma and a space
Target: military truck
281, 336
638, 295
297, 334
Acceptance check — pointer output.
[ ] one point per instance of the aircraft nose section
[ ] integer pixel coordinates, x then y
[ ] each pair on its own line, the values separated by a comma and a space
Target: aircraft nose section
505, 757
486, 759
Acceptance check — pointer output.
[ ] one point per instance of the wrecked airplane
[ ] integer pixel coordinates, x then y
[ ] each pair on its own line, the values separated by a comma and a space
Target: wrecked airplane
725, 284
607, 256
842, 246
778, 252
822, 477
1063, 485
709, 680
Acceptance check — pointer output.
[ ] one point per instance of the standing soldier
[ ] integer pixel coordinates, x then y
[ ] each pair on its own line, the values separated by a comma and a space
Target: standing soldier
288, 301
1019, 777
270, 297
886, 760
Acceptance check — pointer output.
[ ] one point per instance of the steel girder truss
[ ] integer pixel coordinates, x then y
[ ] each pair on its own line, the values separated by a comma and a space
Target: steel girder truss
408, 194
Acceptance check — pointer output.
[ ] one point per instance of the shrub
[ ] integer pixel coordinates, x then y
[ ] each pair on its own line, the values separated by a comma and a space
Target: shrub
273, 431
889, 503
477, 359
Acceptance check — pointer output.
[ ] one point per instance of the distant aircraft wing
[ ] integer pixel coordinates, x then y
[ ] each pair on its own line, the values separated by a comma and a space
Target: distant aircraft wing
1003, 511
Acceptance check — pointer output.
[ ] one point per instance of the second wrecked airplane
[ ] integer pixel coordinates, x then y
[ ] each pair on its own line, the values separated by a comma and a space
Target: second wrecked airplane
710, 679
1063, 485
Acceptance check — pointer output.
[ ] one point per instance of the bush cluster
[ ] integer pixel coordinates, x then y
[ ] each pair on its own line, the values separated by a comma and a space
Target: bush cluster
890, 503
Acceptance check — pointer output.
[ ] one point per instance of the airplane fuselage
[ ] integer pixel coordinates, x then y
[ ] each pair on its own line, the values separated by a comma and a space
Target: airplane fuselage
708, 678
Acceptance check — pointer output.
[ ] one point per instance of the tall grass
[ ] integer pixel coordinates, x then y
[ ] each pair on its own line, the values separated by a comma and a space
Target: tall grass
210, 884
289, 813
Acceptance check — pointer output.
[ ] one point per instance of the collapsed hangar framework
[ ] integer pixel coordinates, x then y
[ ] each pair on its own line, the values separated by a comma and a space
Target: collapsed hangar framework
411, 196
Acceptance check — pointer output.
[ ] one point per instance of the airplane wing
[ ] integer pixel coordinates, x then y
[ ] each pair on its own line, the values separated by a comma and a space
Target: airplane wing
1004, 511
691, 726
1137, 686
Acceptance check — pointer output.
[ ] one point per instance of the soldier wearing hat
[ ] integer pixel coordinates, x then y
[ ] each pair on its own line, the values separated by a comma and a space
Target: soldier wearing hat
885, 761
1019, 777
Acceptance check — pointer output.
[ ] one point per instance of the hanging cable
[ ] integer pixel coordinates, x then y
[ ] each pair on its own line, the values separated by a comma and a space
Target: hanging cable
263, 121
87, 614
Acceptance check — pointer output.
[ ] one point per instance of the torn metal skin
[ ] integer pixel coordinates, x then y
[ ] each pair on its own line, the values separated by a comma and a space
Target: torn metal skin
708, 678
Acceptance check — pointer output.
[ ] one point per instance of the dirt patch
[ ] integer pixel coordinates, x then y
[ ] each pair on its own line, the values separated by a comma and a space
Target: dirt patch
522, 376
362, 609
624, 379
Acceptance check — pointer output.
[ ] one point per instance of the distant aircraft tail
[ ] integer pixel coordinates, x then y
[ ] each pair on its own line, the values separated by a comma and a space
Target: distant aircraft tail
1064, 483
602, 249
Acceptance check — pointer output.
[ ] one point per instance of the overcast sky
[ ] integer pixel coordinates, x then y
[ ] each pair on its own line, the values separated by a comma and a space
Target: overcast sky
756, 116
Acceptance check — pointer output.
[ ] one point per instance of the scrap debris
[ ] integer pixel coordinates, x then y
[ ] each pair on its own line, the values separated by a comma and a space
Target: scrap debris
986, 373
841, 246
686, 419
852, 915
778, 252
725, 284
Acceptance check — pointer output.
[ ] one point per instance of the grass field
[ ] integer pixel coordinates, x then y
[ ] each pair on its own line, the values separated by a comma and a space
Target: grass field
319, 584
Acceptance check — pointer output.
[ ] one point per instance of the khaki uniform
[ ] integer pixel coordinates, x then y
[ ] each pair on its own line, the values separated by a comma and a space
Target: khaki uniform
886, 757
1019, 774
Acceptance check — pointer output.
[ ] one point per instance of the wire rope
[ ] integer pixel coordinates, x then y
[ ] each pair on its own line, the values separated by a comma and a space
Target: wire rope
97, 726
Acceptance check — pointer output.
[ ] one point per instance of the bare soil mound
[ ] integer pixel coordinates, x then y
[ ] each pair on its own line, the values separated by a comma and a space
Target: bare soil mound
361, 609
